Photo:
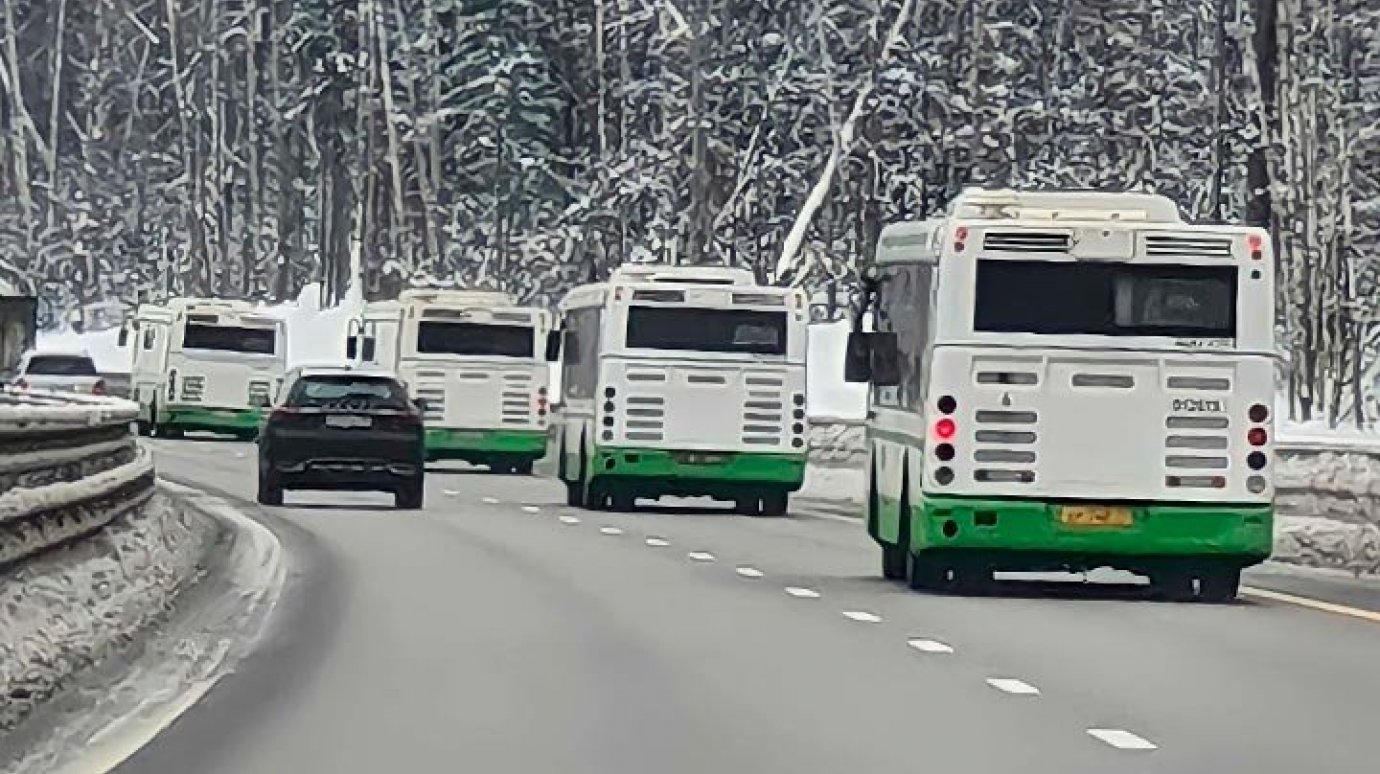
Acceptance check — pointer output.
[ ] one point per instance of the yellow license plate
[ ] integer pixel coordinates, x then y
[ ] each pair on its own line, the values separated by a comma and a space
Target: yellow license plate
1096, 516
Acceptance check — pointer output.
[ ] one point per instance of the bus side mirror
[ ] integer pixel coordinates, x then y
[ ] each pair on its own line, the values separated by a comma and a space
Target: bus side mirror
857, 359
886, 360
351, 347
553, 346
123, 341
367, 349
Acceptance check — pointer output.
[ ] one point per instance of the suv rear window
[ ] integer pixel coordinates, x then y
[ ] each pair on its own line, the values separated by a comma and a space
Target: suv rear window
348, 392
60, 365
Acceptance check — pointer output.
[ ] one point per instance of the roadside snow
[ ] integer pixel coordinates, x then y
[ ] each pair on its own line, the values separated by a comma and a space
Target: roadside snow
68, 609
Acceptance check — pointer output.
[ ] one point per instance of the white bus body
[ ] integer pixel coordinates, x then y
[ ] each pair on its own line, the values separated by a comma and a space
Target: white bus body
683, 381
1079, 379
476, 362
204, 364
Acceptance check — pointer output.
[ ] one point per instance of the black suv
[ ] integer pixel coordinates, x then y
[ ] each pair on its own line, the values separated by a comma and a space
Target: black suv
344, 430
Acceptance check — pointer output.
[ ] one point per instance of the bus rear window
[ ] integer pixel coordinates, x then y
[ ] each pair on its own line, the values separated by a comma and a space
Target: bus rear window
707, 330
229, 338
475, 339
1105, 299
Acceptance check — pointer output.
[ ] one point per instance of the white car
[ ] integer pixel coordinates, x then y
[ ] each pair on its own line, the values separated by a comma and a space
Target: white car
59, 372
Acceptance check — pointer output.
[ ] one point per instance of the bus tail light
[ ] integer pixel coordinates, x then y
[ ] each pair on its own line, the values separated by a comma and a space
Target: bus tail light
1254, 245
960, 238
541, 402
1257, 436
945, 428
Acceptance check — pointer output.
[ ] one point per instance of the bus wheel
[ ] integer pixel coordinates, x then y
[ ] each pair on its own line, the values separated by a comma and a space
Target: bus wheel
926, 573
893, 562
168, 431
521, 467
572, 494
1219, 585
596, 495
1174, 584
623, 501
144, 428
746, 506
775, 503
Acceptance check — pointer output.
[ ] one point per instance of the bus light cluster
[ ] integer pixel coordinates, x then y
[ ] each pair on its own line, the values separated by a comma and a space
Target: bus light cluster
960, 238
1254, 245
945, 432
609, 408
1257, 436
798, 426
542, 404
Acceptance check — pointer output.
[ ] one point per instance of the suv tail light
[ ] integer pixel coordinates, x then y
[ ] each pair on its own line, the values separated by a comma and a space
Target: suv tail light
98, 388
20, 384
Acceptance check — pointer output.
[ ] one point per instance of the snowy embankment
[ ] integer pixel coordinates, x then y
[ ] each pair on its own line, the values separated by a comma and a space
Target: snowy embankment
90, 554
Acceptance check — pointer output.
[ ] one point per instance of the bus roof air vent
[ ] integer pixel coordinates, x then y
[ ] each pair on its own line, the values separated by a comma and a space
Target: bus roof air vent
1187, 245
682, 275
1026, 241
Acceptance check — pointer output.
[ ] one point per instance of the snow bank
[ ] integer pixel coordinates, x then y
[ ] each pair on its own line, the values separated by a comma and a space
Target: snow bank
66, 610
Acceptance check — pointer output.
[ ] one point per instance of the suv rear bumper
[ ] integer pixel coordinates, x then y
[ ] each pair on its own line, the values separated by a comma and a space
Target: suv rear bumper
1239, 532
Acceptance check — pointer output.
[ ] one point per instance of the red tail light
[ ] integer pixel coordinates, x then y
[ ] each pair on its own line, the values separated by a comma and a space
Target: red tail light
1257, 436
945, 428
21, 384
98, 388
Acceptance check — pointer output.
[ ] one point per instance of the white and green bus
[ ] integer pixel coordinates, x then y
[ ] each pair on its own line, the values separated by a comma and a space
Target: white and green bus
1067, 381
204, 365
475, 361
683, 381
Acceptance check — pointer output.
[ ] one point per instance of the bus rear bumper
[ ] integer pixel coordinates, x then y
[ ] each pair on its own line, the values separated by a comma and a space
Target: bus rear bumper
1031, 534
693, 473
242, 422
484, 446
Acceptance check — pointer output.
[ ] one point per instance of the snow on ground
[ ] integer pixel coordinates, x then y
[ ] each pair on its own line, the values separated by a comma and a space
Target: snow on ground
70, 608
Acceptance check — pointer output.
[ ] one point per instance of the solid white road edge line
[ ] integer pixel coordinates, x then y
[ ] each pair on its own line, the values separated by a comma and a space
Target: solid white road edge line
1313, 604
800, 592
1013, 686
862, 616
929, 646
1121, 739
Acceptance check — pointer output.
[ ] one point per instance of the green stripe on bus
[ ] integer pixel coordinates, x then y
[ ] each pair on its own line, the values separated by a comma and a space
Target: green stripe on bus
213, 420
737, 467
521, 442
1157, 529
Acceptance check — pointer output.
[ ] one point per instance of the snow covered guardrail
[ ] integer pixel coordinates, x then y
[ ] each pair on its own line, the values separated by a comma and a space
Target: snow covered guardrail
69, 465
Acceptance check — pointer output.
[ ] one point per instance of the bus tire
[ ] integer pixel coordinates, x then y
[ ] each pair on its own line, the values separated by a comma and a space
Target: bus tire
522, 467
144, 428
596, 495
622, 500
1219, 585
572, 494
169, 431
746, 506
776, 503
1174, 584
926, 573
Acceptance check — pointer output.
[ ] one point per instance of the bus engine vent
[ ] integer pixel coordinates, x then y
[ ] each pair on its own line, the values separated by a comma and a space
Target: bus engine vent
1026, 242
434, 396
1195, 451
517, 402
645, 418
1005, 446
1180, 245
764, 414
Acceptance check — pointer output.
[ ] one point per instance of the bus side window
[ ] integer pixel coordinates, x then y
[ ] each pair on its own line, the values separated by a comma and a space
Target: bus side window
150, 337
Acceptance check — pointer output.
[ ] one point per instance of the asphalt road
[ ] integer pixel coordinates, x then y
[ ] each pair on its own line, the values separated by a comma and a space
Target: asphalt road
499, 631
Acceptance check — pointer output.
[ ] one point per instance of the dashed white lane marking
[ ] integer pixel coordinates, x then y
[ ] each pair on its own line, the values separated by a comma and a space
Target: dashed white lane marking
491, 500
610, 531
862, 616
700, 556
749, 572
1013, 686
929, 646
569, 520
802, 593
450, 493
530, 509
656, 542
1122, 739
